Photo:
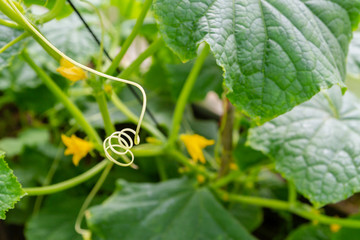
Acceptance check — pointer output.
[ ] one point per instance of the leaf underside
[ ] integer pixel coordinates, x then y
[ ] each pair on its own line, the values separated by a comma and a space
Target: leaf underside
316, 145
276, 54
170, 210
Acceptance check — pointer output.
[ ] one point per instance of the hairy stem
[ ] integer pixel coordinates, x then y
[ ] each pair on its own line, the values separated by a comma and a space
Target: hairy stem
185, 93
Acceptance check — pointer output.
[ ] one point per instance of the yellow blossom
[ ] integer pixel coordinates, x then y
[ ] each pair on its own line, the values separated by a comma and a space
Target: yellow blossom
233, 166
335, 228
108, 88
200, 178
195, 144
70, 71
76, 146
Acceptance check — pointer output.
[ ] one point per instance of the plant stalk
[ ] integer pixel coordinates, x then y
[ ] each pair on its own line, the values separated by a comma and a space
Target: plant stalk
185, 93
139, 22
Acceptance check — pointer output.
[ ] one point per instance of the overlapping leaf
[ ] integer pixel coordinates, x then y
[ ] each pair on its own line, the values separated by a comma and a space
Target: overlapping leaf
10, 188
317, 146
170, 210
275, 53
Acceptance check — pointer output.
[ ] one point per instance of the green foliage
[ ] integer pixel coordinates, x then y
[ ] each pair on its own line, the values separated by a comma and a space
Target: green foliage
275, 54
10, 188
55, 223
311, 232
314, 146
29, 137
7, 35
348, 233
353, 60
266, 56
168, 210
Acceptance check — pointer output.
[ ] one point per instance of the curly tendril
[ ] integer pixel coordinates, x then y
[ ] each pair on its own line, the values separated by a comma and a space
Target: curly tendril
123, 142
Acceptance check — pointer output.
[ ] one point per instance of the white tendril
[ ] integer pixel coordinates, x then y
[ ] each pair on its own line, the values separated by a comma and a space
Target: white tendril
107, 144
123, 142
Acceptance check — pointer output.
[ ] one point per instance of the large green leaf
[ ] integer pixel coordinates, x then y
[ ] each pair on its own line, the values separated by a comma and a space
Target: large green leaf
348, 233
173, 209
10, 188
316, 145
311, 232
275, 53
56, 220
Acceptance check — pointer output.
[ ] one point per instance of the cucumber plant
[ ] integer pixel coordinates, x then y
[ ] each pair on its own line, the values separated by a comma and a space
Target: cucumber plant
214, 110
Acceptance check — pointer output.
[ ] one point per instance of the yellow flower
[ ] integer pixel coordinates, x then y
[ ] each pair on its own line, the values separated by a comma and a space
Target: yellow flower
335, 228
233, 166
76, 146
108, 88
70, 71
195, 144
200, 178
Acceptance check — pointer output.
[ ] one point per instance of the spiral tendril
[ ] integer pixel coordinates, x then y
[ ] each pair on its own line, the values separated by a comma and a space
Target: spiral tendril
119, 135
123, 144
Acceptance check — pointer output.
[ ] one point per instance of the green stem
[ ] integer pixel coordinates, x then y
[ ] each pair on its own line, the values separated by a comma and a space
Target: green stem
154, 46
70, 106
8, 23
88, 200
141, 150
225, 180
178, 156
130, 39
58, 187
161, 169
10, 13
185, 93
14, 41
157, 44
133, 118
292, 193
302, 210
101, 100
53, 13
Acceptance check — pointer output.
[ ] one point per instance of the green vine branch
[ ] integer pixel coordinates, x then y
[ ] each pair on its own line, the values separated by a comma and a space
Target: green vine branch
69, 105
300, 209
139, 22
184, 95
58, 187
